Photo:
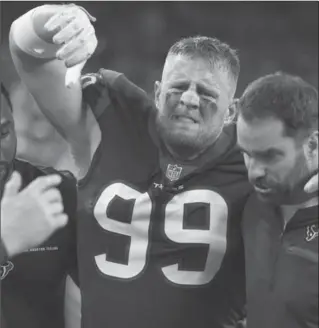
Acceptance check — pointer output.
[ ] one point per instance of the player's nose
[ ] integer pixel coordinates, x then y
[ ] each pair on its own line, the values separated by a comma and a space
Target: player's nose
256, 170
190, 99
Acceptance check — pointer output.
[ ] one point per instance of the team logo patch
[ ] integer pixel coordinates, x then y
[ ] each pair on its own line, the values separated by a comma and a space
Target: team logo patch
173, 172
5, 268
311, 232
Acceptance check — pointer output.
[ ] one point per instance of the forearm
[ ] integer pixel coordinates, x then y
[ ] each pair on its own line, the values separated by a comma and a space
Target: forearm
34, 57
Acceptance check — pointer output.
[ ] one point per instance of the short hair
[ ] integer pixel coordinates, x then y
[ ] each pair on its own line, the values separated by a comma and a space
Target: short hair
212, 49
285, 97
5, 93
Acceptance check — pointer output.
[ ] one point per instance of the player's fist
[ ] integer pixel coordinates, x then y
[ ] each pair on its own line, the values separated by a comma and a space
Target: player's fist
62, 31
73, 31
30, 216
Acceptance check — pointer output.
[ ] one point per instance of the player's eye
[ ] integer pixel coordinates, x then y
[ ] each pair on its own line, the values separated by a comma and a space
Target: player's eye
180, 86
177, 90
204, 94
268, 157
5, 130
208, 93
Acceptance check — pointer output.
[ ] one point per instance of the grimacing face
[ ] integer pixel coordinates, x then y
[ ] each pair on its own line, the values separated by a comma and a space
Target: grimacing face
8, 141
278, 165
192, 100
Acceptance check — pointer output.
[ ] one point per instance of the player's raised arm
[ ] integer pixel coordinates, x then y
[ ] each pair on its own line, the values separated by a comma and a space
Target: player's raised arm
47, 44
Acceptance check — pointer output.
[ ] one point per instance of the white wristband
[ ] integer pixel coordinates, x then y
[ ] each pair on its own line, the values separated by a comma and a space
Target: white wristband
28, 41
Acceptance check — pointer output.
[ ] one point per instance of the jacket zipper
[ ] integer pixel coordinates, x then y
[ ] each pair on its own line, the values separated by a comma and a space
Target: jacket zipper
278, 253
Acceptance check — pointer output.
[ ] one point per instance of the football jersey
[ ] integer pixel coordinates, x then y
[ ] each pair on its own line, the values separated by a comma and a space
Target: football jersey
159, 242
32, 283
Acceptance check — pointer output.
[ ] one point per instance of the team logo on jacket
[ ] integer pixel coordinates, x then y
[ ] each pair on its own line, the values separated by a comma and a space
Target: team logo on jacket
173, 172
5, 268
311, 232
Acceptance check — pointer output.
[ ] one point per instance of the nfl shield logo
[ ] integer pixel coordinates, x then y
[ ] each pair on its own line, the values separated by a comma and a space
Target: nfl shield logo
173, 172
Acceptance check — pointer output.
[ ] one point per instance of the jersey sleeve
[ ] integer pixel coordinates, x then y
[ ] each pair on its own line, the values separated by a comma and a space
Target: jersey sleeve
112, 89
128, 94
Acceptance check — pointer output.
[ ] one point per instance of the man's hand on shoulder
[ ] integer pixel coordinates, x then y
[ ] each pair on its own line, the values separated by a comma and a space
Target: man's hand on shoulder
312, 185
32, 215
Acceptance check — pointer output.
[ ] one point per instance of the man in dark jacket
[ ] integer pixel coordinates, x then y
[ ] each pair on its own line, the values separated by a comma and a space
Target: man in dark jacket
37, 235
278, 134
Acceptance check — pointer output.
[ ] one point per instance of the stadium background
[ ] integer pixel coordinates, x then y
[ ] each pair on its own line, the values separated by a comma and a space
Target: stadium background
135, 36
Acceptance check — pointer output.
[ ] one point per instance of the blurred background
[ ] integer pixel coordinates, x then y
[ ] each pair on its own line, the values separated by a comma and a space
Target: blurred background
134, 38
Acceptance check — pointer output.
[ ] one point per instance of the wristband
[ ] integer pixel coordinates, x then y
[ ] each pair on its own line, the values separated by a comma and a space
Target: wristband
27, 39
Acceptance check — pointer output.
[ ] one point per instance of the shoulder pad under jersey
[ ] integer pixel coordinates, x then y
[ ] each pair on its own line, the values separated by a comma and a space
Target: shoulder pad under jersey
95, 92
106, 86
102, 78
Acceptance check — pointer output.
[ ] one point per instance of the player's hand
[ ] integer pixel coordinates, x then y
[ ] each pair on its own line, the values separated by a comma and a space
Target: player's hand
312, 185
241, 324
30, 216
74, 32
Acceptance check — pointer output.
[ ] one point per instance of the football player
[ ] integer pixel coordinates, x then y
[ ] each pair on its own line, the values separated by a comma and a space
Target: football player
38, 208
162, 184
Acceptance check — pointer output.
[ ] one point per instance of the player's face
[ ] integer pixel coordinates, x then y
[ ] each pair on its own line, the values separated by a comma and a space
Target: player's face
192, 100
277, 164
8, 140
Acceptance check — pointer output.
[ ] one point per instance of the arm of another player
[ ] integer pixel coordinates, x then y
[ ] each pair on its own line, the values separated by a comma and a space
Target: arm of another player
44, 43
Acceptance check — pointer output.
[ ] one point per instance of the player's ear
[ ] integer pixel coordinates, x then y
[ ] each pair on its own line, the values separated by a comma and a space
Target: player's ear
231, 112
157, 92
314, 143
311, 149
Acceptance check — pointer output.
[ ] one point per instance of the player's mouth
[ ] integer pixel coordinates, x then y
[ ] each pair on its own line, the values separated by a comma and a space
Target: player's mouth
184, 119
263, 188
264, 191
